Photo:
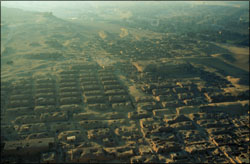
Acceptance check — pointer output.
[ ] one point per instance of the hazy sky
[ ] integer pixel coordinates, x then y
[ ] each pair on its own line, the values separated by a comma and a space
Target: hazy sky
58, 7
47, 5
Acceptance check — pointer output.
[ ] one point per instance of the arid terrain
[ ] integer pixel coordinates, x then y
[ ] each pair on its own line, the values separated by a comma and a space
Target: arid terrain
152, 83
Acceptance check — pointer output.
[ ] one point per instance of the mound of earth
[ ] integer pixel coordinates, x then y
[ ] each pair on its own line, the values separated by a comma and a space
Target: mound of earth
46, 56
228, 57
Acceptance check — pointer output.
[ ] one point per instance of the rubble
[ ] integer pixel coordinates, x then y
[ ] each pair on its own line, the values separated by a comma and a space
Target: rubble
93, 115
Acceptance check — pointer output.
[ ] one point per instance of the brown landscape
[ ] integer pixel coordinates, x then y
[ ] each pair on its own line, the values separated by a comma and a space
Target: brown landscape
115, 87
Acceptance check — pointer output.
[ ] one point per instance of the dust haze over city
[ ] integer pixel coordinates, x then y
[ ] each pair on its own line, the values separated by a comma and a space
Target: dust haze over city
125, 82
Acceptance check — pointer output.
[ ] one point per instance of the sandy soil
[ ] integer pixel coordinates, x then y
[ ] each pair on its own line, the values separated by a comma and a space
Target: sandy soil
241, 54
235, 82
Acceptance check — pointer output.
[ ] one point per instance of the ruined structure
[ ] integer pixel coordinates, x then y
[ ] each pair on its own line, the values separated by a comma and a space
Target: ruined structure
86, 113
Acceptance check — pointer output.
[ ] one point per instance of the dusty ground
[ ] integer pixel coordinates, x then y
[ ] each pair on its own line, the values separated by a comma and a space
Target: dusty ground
240, 54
